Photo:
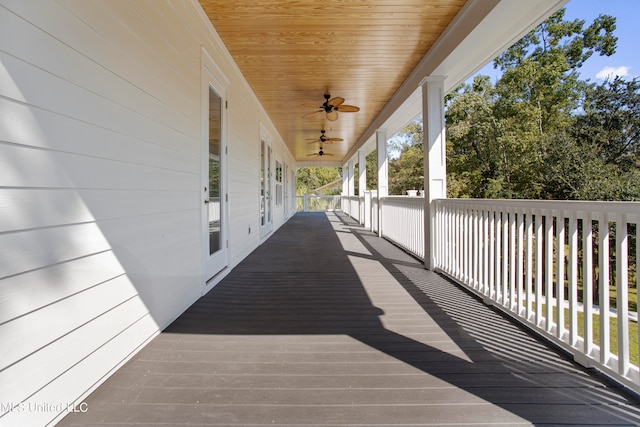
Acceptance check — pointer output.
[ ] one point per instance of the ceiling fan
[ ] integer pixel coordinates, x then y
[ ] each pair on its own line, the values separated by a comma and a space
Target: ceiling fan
331, 106
320, 153
324, 139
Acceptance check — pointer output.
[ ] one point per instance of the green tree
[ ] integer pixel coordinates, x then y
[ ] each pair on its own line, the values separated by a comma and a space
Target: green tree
499, 137
473, 151
598, 156
539, 91
372, 170
406, 170
540, 131
308, 179
611, 121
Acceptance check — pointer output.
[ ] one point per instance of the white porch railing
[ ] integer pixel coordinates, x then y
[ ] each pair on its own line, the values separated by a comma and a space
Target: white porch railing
214, 209
373, 213
354, 207
311, 203
559, 267
403, 222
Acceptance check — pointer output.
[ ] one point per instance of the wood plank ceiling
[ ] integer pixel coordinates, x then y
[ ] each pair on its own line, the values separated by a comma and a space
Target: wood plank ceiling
292, 52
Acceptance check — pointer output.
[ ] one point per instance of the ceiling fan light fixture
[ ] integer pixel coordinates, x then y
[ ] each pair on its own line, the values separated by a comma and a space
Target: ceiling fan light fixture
320, 153
331, 106
324, 139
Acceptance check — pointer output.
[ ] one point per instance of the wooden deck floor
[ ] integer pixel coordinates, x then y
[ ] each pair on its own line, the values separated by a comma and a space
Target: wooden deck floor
326, 324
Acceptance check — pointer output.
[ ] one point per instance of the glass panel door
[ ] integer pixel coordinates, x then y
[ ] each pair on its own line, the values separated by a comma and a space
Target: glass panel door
214, 212
265, 188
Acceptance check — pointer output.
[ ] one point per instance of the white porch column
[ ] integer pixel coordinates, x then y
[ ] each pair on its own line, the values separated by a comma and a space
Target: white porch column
352, 182
345, 179
345, 187
362, 182
435, 166
383, 172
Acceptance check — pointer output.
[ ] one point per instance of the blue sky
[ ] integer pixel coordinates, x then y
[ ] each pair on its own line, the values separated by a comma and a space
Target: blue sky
626, 60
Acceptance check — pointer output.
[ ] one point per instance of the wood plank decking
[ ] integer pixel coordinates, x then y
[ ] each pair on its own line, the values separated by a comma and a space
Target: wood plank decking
326, 324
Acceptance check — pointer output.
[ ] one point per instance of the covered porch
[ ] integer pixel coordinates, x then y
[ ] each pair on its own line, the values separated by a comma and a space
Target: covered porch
328, 324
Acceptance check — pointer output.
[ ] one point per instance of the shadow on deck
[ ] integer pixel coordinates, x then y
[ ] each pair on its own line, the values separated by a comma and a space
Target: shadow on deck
326, 324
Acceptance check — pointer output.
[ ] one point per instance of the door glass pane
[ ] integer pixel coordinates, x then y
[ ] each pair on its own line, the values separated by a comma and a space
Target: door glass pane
263, 194
215, 172
268, 186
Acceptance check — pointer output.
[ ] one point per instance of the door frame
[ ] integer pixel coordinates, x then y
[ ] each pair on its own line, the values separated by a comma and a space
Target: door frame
212, 265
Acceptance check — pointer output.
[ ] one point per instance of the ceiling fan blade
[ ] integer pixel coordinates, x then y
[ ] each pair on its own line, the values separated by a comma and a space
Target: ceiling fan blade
348, 108
335, 139
332, 116
312, 154
336, 102
312, 113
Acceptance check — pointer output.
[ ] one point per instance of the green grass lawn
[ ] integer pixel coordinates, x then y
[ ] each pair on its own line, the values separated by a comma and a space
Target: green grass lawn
613, 339
613, 336
613, 323
633, 298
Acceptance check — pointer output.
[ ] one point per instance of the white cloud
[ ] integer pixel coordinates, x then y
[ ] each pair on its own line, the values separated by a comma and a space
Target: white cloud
612, 72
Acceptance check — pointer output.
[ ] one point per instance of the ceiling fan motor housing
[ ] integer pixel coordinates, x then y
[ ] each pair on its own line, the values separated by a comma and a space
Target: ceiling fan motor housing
327, 108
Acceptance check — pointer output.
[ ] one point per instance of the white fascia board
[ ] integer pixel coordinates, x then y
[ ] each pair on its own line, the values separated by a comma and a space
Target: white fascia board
508, 22
318, 164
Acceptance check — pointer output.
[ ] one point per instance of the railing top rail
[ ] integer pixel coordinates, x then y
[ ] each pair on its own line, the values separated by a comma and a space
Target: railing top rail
402, 200
598, 207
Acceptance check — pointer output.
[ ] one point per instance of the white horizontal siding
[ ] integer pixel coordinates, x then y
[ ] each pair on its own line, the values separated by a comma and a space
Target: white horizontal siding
66, 99
76, 362
38, 128
27, 167
33, 249
48, 208
46, 325
82, 63
27, 292
100, 198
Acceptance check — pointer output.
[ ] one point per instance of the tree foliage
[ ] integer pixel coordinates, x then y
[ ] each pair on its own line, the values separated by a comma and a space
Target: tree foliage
372, 170
598, 156
308, 179
540, 132
611, 121
406, 170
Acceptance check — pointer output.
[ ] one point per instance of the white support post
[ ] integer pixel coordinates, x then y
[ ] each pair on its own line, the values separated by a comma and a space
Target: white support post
345, 188
435, 166
352, 182
362, 182
383, 172
345, 179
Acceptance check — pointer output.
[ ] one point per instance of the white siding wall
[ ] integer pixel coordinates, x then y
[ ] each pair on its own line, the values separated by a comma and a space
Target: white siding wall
100, 199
